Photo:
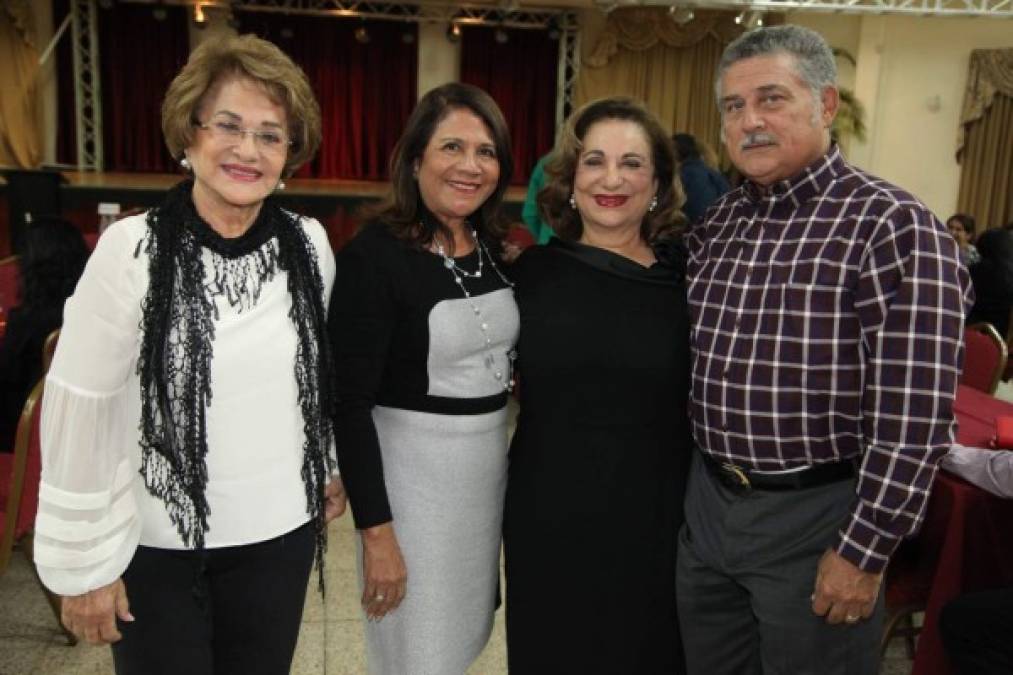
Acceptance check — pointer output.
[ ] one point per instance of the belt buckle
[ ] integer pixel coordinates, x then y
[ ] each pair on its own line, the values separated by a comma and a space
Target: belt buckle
737, 475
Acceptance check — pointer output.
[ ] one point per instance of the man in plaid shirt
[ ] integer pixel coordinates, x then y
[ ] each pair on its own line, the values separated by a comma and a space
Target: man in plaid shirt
828, 312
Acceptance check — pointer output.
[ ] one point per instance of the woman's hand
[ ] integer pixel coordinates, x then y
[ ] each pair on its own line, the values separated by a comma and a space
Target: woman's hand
92, 616
384, 572
336, 498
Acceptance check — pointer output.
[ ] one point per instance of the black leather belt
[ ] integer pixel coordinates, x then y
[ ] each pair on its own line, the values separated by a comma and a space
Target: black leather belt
742, 480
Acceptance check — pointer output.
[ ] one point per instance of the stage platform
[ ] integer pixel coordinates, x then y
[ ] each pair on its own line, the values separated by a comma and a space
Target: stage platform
335, 203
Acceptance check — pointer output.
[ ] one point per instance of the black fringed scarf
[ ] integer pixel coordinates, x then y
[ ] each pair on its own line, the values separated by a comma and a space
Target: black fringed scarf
177, 347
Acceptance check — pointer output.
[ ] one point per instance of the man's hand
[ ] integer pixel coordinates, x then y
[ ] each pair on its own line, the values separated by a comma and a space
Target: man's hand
384, 573
336, 498
844, 592
92, 616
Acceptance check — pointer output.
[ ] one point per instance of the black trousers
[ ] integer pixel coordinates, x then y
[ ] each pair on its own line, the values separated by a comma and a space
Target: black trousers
229, 610
977, 631
746, 570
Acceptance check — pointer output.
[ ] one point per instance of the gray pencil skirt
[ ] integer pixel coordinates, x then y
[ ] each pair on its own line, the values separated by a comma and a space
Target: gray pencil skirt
446, 478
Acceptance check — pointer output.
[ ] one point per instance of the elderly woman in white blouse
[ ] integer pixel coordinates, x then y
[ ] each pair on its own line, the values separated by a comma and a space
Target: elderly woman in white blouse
186, 437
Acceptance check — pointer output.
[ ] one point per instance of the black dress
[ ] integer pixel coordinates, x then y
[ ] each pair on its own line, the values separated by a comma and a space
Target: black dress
597, 464
21, 363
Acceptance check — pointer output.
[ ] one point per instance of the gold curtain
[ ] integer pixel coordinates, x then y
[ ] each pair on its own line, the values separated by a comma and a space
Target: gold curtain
643, 53
20, 109
985, 144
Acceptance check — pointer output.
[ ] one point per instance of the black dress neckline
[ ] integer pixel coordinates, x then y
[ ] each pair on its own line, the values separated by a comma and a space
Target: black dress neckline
665, 272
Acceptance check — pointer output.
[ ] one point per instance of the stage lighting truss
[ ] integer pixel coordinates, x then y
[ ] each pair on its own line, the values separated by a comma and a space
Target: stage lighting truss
999, 9
87, 84
561, 25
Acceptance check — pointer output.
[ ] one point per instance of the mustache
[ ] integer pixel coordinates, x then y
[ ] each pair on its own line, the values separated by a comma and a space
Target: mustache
757, 139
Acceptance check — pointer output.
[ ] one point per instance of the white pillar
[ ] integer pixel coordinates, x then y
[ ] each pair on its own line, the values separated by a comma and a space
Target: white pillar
439, 58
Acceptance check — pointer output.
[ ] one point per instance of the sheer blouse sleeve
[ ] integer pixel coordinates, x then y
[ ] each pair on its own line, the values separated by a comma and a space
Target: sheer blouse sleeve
87, 526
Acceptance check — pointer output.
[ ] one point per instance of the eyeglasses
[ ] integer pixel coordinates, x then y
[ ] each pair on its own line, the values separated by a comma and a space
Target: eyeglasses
230, 132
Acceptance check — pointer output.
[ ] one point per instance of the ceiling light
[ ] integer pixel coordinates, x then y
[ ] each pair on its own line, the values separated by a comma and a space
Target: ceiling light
454, 32
361, 35
681, 15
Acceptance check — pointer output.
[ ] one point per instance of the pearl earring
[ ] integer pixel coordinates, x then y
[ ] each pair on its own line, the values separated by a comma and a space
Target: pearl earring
281, 185
654, 203
185, 163
573, 202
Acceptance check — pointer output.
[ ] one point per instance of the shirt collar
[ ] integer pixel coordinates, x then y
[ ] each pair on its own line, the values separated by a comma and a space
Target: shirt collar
797, 190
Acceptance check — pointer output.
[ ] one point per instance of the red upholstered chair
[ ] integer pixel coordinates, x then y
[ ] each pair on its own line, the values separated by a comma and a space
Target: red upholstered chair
906, 586
521, 236
984, 357
20, 475
10, 282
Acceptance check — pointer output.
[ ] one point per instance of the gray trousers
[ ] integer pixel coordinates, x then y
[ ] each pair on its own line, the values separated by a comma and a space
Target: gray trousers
746, 571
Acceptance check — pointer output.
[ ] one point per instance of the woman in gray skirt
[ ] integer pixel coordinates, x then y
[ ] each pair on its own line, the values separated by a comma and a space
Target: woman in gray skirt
423, 325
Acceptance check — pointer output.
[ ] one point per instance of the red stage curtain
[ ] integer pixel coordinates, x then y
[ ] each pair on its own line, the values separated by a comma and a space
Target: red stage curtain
366, 91
138, 57
520, 75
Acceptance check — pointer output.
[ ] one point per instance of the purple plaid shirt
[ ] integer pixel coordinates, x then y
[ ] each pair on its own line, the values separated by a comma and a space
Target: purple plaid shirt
828, 320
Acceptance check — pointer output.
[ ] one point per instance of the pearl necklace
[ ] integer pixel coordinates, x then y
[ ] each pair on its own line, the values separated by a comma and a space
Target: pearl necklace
460, 274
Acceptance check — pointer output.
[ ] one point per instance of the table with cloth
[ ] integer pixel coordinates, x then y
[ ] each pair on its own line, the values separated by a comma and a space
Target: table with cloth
966, 541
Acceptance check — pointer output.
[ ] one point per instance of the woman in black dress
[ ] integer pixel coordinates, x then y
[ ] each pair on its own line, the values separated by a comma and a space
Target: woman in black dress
597, 464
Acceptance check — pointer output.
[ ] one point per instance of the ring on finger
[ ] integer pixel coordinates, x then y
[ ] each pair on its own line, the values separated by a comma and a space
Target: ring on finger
851, 618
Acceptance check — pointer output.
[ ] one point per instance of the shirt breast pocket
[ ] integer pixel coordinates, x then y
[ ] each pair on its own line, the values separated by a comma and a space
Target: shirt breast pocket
822, 329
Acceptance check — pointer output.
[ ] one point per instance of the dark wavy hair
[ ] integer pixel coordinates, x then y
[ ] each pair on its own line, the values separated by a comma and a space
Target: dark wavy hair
554, 198
966, 222
685, 147
402, 210
52, 260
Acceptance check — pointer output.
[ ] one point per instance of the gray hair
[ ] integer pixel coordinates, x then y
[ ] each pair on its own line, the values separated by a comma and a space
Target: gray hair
814, 60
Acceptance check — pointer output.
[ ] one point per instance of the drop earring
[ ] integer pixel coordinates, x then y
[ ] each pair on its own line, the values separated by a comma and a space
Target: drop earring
281, 185
654, 203
573, 202
185, 163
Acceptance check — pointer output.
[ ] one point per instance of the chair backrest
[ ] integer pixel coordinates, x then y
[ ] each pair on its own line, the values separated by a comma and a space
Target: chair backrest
10, 282
984, 357
49, 349
520, 235
23, 477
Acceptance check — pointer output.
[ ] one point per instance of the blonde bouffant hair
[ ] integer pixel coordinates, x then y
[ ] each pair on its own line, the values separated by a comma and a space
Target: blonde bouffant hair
245, 57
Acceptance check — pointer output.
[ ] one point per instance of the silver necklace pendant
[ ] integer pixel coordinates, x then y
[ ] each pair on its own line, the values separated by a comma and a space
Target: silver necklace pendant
505, 380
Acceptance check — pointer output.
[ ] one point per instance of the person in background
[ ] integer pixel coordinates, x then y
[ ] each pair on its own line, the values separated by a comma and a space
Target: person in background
962, 228
816, 291
976, 627
423, 325
598, 461
992, 277
52, 260
530, 214
702, 183
187, 450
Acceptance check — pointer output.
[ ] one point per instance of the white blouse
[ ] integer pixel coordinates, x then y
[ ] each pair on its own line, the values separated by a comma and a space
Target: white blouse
93, 507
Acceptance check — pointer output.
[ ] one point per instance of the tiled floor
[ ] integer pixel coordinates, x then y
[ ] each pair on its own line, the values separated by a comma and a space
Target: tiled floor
330, 641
